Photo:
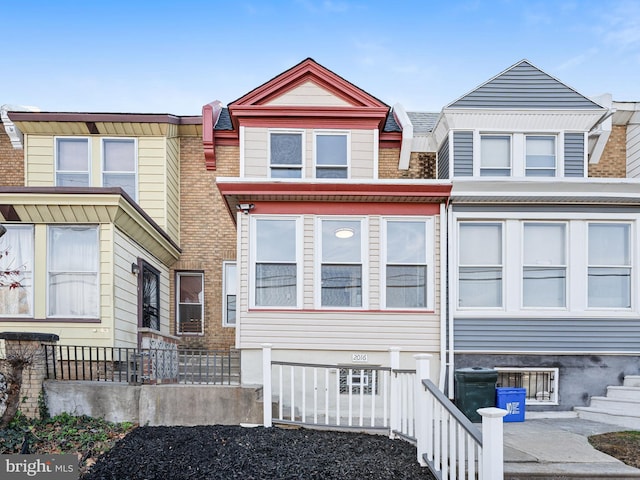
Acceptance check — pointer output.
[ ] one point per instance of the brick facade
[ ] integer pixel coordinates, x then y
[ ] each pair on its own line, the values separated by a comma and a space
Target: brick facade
421, 165
613, 163
208, 236
11, 163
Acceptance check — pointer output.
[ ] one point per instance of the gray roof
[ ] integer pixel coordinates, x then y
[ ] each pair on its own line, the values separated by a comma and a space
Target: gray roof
391, 125
423, 122
224, 121
524, 86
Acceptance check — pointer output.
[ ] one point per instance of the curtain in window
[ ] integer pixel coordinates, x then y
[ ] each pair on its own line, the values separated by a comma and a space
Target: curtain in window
16, 252
609, 265
480, 274
73, 271
544, 272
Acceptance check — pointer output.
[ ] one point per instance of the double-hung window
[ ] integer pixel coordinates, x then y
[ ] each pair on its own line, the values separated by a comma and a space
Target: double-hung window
341, 263
72, 271
609, 270
190, 288
480, 271
406, 264
544, 268
16, 271
540, 159
276, 267
229, 288
495, 155
72, 162
119, 164
285, 154
331, 155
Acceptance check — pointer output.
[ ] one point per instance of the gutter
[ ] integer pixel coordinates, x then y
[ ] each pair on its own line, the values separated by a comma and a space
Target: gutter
443, 294
602, 129
210, 116
407, 136
14, 133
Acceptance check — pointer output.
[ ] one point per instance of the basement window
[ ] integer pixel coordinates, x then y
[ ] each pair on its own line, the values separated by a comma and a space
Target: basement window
541, 384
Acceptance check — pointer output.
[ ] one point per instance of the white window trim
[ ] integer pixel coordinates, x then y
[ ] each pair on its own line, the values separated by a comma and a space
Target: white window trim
555, 149
253, 255
565, 266
135, 160
364, 261
345, 133
430, 260
577, 269
225, 284
477, 153
55, 157
303, 152
97, 272
179, 275
32, 271
553, 400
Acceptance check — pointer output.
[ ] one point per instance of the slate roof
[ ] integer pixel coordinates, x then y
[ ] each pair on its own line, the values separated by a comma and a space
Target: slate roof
423, 122
224, 121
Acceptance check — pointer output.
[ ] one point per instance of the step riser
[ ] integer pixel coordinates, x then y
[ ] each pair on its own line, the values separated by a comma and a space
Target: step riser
622, 421
624, 393
614, 406
631, 381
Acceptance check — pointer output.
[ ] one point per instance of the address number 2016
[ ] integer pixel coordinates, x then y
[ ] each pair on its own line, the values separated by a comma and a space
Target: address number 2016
359, 357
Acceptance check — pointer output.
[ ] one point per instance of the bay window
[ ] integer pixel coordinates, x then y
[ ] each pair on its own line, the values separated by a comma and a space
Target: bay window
341, 263
72, 271
119, 164
331, 155
285, 154
609, 269
544, 281
72, 162
480, 265
406, 264
276, 268
16, 265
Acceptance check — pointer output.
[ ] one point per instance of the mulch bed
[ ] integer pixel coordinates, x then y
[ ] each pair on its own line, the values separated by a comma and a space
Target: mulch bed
625, 446
230, 452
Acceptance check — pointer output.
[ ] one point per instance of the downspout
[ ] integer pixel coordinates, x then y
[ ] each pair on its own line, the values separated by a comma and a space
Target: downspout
443, 295
407, 136
450, 363
210, 116
602, 129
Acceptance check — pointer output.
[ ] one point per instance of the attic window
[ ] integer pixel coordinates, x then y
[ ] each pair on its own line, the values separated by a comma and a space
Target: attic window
286, 154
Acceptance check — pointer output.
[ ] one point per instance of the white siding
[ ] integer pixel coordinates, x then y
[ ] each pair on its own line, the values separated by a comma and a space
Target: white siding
633, 151
256, 154
309, 94
362, 154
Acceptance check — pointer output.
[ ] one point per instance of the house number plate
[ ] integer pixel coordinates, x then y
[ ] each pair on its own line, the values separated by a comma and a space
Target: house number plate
359, 357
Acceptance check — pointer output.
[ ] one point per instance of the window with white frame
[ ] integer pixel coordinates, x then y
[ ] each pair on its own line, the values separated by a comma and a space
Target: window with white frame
72, 162
119, 164
72, 271
16, 271
276, 268
331, 155
544, 270
540, 384
229, 288
609, 274
285, 154
190, 296
406, 267
540, 159
480, 270
495, 155
341, 263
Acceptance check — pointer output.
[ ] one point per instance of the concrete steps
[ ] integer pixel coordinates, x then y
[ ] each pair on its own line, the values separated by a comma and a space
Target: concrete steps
620, 406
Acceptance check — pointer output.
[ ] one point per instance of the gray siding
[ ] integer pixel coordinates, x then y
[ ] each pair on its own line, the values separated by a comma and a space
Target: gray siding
524, 86
573, 155
443, 160
462, 154
547, 334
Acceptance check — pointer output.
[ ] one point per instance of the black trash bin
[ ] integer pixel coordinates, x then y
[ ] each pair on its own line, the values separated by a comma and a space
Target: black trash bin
475, 388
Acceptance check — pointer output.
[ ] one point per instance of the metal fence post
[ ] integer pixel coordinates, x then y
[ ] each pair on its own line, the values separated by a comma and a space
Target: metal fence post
266, 384
394, 394
492, 443
422, 430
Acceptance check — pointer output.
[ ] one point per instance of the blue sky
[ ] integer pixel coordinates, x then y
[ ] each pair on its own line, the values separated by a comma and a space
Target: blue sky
124, 56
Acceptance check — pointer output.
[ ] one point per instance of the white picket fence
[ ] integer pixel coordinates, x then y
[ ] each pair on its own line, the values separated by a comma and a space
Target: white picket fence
403, 403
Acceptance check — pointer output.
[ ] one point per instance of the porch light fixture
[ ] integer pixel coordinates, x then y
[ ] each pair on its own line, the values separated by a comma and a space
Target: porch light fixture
344, 232
245, 207
135, 269
2, 230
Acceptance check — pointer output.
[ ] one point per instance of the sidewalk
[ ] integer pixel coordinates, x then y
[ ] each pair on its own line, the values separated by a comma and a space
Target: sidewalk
557, 448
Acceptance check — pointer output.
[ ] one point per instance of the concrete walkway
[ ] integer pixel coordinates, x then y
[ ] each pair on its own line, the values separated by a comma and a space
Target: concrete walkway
557, 448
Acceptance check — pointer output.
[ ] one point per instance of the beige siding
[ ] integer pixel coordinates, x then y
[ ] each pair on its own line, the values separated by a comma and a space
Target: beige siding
173, 188
125, 290
39, 156
152, 183
373, 329
362, 154
633, 151
309, 94
256, 153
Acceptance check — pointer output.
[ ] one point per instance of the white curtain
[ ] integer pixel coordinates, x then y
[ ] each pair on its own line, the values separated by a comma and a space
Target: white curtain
16, 252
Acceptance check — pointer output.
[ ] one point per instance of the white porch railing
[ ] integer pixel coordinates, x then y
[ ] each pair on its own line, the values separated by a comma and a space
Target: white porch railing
404, 403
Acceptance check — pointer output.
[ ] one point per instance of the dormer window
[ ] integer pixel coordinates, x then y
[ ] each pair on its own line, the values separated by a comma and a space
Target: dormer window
540, 156
331, 155
286, 154
495, 155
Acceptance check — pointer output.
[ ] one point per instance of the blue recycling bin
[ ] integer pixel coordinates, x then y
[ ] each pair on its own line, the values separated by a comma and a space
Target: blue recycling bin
513, 401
